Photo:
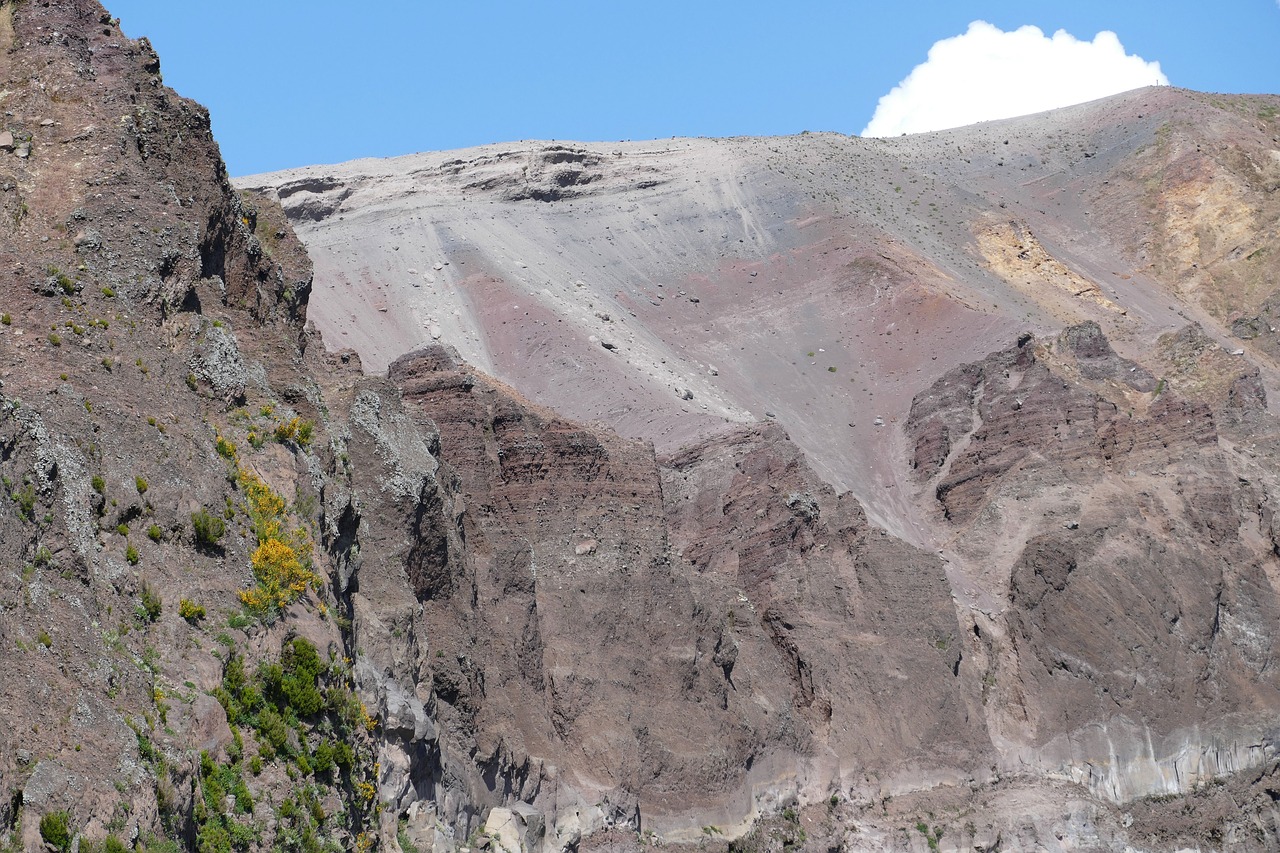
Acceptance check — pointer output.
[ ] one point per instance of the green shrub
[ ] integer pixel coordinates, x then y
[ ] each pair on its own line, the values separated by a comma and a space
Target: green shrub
244, 801
108, 292
140, 484
6, 319
99, 485
272, 728
226, 449
154, 533
122, 529
151, 605
25, 498
44, 639
322, 761
55, 829
55, 339
110, 844
208, 528
131, 554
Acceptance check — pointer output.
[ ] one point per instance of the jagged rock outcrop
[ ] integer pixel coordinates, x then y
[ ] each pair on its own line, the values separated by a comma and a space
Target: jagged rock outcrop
581, 600
1124, 628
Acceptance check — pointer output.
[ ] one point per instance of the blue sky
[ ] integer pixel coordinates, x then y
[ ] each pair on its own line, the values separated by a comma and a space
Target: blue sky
290, 84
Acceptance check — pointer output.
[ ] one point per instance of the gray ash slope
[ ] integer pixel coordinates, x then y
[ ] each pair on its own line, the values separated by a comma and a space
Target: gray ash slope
716, 267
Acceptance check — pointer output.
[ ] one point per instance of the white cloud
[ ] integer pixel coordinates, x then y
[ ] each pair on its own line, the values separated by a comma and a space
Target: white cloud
988, 74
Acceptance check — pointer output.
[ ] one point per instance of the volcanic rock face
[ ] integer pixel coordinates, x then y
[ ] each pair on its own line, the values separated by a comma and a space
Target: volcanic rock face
604, 594
1133, 523
815, 493
1093, 611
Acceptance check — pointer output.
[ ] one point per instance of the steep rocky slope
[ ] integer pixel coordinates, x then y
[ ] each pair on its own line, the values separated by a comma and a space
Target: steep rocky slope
1010, 587
143, 320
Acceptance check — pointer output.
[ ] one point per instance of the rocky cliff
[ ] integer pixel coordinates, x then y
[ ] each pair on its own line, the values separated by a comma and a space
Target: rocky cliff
762, 532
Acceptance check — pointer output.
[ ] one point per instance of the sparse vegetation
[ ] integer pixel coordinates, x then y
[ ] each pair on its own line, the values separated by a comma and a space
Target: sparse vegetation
154, 533
190, 611
64, 281
55, 829
303, 714
208, 528
140, 484
225, 448
296, 430
25, 498
931, 838
150, 608
282, 561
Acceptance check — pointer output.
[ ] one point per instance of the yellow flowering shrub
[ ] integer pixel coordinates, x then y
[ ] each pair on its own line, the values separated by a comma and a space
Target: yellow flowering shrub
282, 561
266, 508
281, 576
